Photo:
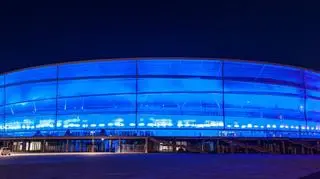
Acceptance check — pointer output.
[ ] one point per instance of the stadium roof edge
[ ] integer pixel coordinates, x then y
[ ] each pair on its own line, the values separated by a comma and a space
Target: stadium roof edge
158, 58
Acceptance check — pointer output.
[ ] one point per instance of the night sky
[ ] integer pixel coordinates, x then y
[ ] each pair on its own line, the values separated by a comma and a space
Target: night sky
42, 33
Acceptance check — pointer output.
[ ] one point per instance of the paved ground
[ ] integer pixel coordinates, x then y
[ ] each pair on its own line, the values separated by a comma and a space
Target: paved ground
159, 166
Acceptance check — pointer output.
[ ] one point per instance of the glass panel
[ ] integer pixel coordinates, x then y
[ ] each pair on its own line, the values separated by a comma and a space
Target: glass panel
98, 68
250, 111
257, 72
97, 112
180, 67
1, 96
96, 86
31, 108
261, 88
114, 104
312, 80
178, 85
2, 125
96, 121
313, 100
41, 73
30, 122
180, 110
1, 80
313, 112
28, 92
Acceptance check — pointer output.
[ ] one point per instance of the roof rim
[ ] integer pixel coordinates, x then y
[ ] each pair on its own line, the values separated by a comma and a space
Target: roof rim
159, 58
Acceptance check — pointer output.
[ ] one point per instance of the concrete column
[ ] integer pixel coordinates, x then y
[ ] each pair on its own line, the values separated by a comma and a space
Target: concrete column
202, 146
43, 146
218, 147
247, 151
283, 148
146, 145
67, 146
29, 146
174, 146
110, 145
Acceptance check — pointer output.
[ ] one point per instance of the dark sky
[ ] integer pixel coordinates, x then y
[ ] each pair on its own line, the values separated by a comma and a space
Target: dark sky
274, 31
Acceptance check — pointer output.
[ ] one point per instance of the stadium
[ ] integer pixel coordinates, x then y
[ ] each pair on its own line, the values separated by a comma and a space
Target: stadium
161, 105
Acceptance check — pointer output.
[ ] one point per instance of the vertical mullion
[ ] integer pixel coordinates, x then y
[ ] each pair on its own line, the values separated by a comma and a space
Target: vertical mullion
4, 105
136, 102
57, 90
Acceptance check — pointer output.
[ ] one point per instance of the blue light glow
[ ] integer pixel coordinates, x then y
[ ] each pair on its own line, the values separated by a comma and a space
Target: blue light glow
170, 97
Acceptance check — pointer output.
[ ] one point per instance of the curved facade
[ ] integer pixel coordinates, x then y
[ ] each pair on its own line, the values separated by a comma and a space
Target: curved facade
162, 97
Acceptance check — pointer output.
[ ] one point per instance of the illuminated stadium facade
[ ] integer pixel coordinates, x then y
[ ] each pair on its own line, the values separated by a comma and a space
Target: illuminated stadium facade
164, 102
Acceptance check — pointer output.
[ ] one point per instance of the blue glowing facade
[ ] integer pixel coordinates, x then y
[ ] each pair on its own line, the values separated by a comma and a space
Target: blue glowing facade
165, 97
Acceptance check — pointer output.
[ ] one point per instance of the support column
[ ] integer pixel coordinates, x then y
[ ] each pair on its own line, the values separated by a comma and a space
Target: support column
24, 146
146, 145
120, 146
246, 149
43, 146
110, 145
80, 145
218, 147
202, 146
92, 144
283, 147
29, 146
67, 146
174, 146
231, 148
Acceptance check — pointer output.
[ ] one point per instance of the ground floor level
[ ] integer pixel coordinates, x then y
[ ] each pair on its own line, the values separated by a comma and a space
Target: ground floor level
122, 144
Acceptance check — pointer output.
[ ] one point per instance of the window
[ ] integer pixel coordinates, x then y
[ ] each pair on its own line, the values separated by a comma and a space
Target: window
261, 88
313, 99
96, 121
263, 72
178, 67
113, 104
30, 92
1, 80
96, 87
31, 108
98, 68
41, 73
30, 122
251, 111
180, 110
178, 85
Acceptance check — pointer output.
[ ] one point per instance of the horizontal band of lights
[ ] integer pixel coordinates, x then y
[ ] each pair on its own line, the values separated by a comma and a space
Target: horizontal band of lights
167, 95
156, 123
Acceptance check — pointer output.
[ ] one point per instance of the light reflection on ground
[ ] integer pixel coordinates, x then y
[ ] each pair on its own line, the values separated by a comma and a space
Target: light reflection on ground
154, 166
